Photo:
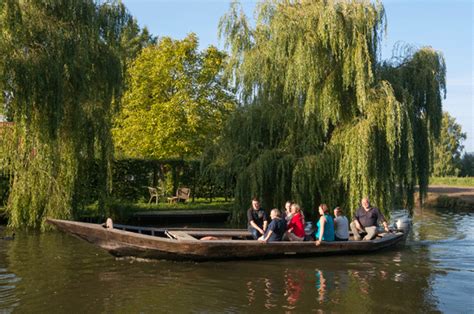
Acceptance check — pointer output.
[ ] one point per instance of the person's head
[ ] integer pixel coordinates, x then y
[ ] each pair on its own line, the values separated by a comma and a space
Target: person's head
338, 212
323, 209
295, 208
255, 203
365, 202
288, 205
275, 213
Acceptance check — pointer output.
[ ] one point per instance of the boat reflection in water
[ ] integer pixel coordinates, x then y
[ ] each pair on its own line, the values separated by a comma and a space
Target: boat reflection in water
328, 286
273, 291
358, 286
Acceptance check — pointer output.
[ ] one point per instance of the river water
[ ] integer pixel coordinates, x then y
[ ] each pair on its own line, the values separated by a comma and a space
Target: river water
433, 272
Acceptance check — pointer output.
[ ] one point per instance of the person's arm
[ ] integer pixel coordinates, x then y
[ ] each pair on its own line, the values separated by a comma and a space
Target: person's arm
356, 220
253, 224
322, 223
381, 217
290, 225
265, 239
265, 224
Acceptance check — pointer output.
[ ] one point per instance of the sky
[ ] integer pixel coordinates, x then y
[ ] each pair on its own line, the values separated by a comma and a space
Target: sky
445, 25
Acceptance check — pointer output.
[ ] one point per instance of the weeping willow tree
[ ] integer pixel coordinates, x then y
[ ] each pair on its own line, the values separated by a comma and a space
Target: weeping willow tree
60, 66
322, 119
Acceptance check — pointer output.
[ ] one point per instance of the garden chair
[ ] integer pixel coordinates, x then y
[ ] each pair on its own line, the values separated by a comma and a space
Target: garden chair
153, 194
182, 194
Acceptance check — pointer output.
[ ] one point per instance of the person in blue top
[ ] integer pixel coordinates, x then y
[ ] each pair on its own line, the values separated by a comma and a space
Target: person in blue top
325, 226
276, 228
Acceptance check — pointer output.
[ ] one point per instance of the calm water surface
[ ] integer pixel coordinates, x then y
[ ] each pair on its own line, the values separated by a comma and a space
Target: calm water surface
433, 272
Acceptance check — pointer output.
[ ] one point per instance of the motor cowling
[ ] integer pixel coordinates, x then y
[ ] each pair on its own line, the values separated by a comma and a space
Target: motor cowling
403, 224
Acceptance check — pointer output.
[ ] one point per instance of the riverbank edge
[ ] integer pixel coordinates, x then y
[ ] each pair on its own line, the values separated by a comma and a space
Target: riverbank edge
449, 197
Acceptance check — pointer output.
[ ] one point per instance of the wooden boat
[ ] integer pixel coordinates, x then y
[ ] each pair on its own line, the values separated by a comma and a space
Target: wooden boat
225, 244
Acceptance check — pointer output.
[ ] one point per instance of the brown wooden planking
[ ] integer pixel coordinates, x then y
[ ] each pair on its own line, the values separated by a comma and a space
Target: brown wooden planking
181, 235
124, 243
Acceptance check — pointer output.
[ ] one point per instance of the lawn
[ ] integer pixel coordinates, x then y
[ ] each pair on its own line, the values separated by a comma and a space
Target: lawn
452, 181
123, 210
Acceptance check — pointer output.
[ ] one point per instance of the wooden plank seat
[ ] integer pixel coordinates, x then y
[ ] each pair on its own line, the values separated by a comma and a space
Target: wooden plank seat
196, 232
220, 233
180, 235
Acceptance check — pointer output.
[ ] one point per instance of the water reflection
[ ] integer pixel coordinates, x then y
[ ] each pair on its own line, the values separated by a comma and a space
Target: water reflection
351, 284
294, 283
8, 284
322, 284
61, 273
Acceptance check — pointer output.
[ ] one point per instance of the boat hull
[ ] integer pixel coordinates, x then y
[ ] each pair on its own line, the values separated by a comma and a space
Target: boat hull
123, 243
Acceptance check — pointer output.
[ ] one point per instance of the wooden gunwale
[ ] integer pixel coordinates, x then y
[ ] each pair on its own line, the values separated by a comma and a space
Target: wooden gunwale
124, 243
191, 231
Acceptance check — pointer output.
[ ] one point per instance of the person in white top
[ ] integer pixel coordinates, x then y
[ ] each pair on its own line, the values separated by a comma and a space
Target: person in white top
341, 225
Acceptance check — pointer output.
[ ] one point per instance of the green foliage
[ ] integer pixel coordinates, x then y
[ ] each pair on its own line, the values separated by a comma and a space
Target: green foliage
452, 181
322, 119
4, 189
61, 63
467, 165
447, 150
176, 101
418, 78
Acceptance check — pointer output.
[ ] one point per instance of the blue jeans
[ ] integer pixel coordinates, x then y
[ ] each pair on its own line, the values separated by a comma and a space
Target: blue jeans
255, 233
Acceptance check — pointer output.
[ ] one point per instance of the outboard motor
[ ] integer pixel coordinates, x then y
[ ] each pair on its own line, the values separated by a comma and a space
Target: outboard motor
403, 224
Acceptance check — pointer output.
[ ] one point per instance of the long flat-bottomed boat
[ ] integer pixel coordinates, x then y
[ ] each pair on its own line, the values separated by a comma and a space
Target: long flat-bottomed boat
199, 244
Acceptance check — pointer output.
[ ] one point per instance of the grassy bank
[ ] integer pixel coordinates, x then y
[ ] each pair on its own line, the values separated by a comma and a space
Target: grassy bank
449, 202
453, 181
122, 211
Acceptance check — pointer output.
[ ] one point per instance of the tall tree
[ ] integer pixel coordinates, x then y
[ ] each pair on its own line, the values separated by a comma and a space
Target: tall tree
319, 122
176, 101
61, 63
448, 149
467, 165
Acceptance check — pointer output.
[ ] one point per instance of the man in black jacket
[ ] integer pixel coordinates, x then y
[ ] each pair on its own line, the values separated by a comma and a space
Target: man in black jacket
257, 219
365, 221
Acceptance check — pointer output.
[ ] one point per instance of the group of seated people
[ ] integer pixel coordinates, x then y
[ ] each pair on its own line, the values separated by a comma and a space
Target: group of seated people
289, 225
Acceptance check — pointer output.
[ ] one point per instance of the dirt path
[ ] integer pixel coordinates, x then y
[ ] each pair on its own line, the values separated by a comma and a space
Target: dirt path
463, 192
444, 196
